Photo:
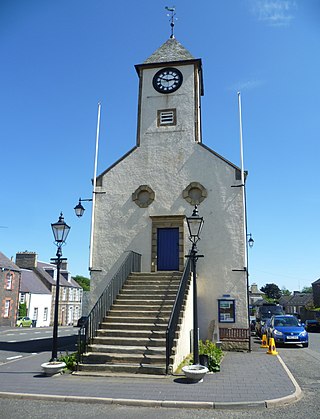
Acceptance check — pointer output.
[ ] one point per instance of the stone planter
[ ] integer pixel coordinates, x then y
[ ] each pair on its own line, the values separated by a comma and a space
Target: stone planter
195, 373
52, 368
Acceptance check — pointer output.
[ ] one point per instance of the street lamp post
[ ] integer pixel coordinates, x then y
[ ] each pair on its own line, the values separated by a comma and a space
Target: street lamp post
195, 224
60, 231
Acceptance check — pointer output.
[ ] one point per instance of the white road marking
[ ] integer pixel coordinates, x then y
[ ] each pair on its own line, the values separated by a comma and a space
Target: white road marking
12, 341
14, 357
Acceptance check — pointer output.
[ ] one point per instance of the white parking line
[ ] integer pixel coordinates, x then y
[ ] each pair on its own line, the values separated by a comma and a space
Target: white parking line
12, 341
9, 334
14, 357
22, 333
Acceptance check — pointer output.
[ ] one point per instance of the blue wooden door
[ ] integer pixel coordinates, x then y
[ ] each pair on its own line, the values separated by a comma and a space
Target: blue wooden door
168, 249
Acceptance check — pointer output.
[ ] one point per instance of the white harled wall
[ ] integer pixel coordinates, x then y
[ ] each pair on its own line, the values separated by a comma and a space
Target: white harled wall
121, 225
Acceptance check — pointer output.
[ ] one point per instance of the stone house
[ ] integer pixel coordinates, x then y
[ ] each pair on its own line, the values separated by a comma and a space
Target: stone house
298, 304
316, 292
70, 295
255, 294
10, 276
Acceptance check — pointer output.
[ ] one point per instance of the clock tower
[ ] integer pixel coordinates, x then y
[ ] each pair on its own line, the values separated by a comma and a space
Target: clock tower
169, 96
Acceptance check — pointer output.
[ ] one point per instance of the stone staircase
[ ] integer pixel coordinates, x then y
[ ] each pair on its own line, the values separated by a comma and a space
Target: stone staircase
132, 336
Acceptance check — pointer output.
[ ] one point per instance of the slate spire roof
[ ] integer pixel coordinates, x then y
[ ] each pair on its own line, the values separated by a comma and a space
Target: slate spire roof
171, 50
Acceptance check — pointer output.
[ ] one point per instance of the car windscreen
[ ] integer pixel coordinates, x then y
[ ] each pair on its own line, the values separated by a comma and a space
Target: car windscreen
286, 322
267, 312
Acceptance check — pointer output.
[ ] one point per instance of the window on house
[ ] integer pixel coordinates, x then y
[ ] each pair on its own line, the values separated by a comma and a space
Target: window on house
45, 314
70, 294
50, 272
64, 294
22, 299
6, 308
9, 281
35, 313
167, 117
70, 315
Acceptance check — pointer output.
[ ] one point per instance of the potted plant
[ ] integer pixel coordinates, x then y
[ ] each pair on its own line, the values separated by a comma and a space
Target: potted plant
210, 355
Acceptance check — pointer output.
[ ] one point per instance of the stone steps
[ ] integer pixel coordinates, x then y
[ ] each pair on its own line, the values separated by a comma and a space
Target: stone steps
134, 333
137, 326
121, 349
132, 336
128, 358
104, 369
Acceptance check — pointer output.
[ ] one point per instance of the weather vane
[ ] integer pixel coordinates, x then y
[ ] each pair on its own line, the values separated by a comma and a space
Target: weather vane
172, 14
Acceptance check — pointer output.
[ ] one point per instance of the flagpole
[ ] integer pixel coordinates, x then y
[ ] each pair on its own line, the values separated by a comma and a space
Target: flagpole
244, 203
94, 185
243, 180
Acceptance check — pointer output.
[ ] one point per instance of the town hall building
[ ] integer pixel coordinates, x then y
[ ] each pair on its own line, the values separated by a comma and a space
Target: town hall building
142, 201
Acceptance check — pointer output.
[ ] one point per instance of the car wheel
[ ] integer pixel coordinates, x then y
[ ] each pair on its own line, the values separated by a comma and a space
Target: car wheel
20, 325
31, 325
305, 344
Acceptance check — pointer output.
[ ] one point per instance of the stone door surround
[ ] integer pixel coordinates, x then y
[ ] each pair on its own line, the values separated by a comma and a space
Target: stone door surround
167, 221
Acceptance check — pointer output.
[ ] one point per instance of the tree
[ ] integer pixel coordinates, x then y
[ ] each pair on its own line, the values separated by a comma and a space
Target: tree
271, 291
22, 309
284, 291
307, 290
83, 282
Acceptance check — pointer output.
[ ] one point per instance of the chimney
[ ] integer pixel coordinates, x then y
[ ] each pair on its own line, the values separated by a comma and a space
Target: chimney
26, 260
64, 265
254, 289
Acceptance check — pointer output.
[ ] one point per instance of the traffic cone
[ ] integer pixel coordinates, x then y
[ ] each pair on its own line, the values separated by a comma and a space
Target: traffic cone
272, 347
264, 343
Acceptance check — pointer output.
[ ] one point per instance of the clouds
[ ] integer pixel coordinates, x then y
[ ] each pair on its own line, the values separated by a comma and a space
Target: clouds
274, 12
246, 85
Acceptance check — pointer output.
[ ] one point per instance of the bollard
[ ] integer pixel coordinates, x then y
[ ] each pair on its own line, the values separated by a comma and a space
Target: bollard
272, 347
264, 343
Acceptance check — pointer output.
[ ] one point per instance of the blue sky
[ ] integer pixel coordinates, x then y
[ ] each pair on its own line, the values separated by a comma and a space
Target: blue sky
60, 58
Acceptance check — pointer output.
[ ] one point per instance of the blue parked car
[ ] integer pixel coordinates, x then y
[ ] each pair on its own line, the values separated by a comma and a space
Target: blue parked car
287, 329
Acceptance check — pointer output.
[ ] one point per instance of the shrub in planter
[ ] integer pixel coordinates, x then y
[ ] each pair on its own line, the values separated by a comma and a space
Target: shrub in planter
213, 354
70, 360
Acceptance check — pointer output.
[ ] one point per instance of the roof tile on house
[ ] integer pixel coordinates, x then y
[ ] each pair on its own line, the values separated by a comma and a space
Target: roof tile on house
30, 283
300, 299
7, 263
63, 282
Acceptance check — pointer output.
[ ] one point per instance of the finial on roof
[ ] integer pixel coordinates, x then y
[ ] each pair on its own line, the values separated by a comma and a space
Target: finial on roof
172, 14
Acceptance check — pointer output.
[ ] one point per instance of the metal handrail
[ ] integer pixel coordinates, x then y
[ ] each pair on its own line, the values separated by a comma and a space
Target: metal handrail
87, 331
175, 314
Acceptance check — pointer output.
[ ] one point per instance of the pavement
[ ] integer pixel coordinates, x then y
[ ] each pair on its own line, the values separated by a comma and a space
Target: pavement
246, 380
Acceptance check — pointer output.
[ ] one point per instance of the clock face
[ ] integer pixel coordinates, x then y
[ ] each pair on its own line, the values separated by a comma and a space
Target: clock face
167, 80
